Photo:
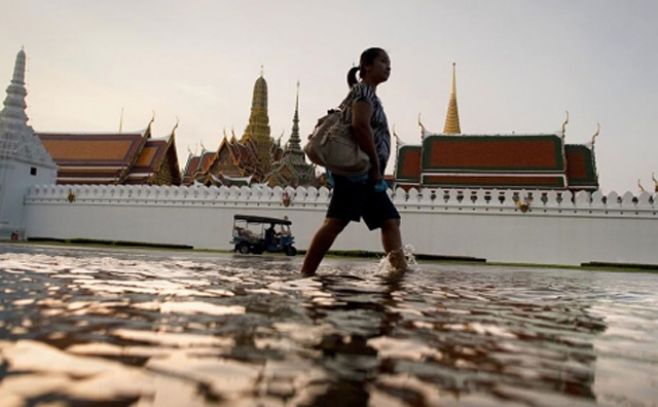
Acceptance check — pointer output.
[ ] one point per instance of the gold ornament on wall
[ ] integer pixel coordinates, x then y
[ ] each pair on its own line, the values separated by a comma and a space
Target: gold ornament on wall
285, 199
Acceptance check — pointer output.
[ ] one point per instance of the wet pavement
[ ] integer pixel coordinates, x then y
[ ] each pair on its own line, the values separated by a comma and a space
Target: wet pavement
97, 327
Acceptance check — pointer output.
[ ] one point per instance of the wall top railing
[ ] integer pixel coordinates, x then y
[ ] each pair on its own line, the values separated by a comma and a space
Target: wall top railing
522, 201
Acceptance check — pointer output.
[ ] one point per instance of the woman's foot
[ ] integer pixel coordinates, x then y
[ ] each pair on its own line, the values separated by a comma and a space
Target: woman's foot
398, 260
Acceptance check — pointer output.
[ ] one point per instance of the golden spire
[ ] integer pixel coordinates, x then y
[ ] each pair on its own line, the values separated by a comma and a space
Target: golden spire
452, 118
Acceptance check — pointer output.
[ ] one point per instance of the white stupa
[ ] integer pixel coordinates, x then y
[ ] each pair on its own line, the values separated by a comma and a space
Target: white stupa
23, 159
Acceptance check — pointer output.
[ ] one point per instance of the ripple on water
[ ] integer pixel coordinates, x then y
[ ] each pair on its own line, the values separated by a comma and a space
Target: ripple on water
84, 327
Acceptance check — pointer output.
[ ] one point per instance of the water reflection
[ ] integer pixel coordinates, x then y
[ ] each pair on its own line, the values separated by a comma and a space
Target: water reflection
127, 328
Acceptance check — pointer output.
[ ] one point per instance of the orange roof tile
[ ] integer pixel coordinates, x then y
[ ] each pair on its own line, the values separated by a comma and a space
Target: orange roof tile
91, 148
493, 153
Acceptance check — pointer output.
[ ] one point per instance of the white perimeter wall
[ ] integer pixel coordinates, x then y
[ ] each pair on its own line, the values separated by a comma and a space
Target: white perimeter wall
437, 222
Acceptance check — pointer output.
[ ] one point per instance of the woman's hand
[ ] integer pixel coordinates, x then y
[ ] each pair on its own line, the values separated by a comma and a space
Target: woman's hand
374, 175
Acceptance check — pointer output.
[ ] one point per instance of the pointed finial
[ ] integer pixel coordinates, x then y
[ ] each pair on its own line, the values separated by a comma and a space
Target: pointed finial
398, 143
598, 130
224, 132
640, 186
189, 150
655, 181
297, 98
262, 70
121, 121
423, 131
203, 148
175, 126
454, 78
564, 125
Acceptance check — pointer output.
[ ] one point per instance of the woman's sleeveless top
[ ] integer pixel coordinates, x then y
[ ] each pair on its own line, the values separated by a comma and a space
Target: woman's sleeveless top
378, 123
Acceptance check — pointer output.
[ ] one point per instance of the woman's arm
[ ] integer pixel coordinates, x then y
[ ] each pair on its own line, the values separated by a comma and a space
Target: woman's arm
361, 114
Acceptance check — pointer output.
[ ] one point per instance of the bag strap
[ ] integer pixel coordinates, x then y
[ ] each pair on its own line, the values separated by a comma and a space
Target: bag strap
346, 108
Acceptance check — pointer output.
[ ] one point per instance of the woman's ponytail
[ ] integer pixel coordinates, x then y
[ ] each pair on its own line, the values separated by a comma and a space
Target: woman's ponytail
367, 58
351, 76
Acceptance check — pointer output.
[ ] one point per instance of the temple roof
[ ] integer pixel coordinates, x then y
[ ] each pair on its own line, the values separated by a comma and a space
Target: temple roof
513, 161
540, 161
581, 167
408, 165
151, 158
191, 167
94, 158
206, 160
453, 160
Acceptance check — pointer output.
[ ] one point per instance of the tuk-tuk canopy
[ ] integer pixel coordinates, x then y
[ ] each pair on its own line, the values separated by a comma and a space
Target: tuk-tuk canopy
262, 219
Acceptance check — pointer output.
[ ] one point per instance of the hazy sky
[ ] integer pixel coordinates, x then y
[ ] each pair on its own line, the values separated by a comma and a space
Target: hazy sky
520, 65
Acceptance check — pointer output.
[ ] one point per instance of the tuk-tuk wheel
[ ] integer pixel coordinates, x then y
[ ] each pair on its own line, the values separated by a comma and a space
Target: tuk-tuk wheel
291, 251
242, 248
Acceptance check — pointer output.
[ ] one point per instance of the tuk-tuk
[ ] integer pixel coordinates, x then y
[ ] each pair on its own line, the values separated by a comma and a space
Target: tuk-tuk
258, 234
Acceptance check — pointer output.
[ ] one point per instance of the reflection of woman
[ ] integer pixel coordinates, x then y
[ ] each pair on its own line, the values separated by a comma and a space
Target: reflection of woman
353, 200
357, 314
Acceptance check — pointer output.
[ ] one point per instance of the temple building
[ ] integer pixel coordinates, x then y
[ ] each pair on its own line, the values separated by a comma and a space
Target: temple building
518, 161
256, 158
114, 158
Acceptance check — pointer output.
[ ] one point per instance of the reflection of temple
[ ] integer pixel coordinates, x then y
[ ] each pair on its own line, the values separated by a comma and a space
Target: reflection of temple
114, 158
532, 161
256, 157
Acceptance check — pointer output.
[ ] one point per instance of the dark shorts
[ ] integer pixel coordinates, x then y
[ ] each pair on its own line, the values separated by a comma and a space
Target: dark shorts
352, 201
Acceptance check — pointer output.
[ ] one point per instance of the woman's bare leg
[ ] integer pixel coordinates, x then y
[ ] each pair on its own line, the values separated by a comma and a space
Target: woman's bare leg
392, 242
321, 243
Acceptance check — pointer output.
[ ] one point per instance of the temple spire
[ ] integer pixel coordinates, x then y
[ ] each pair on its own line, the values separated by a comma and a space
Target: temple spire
258, 129
452, 118
15, 101
294, 142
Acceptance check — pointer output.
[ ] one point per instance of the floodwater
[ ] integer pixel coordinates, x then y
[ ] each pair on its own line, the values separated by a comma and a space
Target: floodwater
97, 327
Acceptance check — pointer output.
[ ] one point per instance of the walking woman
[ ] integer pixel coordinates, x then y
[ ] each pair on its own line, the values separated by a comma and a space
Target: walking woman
355, 199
